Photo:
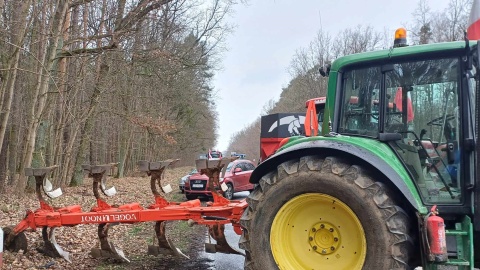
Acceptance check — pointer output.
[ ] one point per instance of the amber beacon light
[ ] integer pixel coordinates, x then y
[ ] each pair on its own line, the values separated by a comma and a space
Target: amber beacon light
400, 38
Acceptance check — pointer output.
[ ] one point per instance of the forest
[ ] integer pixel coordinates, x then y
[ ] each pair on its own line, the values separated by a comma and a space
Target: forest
117, 81
106, 81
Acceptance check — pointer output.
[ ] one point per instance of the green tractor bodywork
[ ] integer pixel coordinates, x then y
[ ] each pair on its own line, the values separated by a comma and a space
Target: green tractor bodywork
406, 116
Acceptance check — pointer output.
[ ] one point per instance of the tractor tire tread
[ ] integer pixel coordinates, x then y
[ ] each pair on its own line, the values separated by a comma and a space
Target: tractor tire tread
396, 219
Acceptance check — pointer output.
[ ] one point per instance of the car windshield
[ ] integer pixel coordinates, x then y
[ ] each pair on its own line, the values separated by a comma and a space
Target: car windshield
229, 166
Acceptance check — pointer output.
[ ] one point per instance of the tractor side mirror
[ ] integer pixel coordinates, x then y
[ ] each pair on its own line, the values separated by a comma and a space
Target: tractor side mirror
451, 150
325, 70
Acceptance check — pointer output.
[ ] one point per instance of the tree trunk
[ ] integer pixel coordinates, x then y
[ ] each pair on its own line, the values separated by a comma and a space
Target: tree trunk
124, 149
60, 112
85, 134
3, 166
12, 154
40, 95
8, 84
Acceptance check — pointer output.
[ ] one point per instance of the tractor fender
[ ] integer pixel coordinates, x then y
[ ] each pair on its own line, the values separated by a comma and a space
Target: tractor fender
341, 149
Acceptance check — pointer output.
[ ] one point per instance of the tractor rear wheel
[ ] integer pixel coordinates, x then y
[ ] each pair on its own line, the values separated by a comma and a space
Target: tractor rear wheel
314, 213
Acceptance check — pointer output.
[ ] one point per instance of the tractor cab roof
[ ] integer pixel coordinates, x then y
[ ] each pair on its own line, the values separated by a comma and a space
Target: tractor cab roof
443, 48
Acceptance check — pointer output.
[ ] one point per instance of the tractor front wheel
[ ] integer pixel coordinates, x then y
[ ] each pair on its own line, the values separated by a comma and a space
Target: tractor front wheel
314, 213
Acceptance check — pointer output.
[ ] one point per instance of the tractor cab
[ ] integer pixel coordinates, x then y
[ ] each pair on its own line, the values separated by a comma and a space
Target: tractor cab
395, 171
415, 103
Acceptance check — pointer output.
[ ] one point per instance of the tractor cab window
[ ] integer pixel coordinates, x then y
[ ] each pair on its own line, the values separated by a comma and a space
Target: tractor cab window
361, 88
320, 111
422, 104
420, 101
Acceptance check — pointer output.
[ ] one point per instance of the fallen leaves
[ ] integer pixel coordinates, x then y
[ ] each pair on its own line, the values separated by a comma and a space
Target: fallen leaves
78, 240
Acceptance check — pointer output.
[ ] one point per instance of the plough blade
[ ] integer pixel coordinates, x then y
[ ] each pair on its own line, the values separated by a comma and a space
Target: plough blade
156, 171
50, 247
167, 189
165, 246
217, 232
107, 249
48, 189
103, 186
210, 248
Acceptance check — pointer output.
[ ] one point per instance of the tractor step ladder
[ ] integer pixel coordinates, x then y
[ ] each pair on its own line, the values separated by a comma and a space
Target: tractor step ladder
463, 234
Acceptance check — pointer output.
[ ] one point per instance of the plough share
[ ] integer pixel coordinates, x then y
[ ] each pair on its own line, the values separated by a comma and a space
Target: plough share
214, 215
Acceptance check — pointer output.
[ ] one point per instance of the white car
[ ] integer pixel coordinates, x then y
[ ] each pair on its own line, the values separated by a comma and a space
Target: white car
184, 179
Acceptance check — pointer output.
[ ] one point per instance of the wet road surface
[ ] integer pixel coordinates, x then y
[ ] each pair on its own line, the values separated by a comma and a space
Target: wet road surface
220, 261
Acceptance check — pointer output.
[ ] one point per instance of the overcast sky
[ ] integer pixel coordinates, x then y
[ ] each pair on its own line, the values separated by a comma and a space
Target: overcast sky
268, 32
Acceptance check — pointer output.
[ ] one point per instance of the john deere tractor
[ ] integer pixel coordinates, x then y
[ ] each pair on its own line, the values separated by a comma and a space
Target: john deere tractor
393, 181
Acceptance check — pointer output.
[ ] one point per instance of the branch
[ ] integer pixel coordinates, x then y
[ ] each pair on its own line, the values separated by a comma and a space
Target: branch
124, 26
85, 51
78, 3
142, 9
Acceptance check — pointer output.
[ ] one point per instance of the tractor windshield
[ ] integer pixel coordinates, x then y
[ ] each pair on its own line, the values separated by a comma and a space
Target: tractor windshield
420, 101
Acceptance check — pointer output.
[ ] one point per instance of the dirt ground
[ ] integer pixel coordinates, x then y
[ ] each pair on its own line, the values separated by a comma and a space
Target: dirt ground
132, 239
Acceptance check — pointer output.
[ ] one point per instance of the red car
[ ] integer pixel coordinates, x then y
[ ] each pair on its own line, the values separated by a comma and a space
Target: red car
236, 178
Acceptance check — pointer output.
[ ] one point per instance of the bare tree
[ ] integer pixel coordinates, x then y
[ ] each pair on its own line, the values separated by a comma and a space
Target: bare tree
422, 32
8, 76
107, 81
450, 24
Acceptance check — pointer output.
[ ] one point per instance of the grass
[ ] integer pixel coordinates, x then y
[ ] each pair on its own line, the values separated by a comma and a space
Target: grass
183, 234
135, 230
9, 208
178, 197
5, 208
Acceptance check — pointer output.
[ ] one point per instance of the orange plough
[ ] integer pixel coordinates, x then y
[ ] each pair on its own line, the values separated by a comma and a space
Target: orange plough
214, 215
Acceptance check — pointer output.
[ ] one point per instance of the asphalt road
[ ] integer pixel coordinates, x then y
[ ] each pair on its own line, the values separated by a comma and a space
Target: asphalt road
220, 261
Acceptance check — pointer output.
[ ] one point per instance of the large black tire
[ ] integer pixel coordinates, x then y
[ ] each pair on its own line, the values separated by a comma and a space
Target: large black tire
385, 224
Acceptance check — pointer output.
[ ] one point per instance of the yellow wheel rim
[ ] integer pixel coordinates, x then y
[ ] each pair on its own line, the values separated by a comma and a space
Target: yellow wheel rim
317, 231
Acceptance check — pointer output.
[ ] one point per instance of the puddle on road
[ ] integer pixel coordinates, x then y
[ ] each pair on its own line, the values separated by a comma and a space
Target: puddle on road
221, 261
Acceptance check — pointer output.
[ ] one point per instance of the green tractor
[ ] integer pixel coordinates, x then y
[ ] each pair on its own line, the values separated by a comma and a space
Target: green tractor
393, 181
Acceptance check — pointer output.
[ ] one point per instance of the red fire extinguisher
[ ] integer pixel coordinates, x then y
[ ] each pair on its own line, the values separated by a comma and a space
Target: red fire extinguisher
436, 240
